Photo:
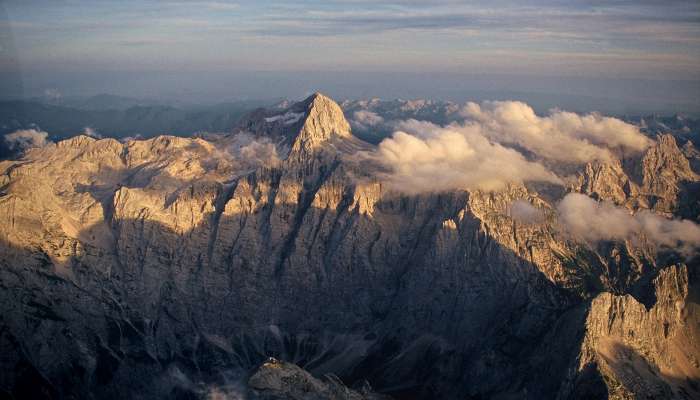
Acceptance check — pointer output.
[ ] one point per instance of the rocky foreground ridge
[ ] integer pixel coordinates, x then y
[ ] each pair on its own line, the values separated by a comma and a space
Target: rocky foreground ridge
170, 268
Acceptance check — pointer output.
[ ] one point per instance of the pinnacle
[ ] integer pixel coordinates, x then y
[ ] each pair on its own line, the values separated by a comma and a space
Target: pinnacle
323, 120
305, 125
317, 98
325, 117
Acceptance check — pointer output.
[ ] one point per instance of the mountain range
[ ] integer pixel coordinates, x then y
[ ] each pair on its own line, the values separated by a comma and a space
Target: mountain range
123, 117
282, 259
117, 117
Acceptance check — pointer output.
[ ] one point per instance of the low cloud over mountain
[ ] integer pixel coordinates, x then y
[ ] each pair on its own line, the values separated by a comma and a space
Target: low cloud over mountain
497, 143
25, 139
506, 142
593, 221
423, 157
249, 152
526, 213
562, 136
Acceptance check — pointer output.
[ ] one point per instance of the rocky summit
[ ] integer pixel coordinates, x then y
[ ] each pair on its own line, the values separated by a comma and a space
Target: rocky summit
176, 267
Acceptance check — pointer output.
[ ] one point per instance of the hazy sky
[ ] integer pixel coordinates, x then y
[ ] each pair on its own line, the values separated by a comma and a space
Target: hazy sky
639, 41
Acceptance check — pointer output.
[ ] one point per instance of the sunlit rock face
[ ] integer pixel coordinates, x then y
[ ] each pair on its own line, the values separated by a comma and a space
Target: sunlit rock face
640, 350
175, 267
276, 379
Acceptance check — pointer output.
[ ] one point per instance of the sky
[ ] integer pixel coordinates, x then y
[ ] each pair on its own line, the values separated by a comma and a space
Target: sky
641, 53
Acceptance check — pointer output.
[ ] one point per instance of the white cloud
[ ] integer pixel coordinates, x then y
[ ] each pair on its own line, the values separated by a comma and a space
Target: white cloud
437, 158
287, 118
248, 152
561, 136
526, 213
584, 218
238, 154
364, 120
499, 142
27, 138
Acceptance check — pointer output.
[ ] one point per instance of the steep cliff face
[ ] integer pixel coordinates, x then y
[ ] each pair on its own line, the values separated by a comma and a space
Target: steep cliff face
607, 182
664, 169
169, 267
665, 174
647, 353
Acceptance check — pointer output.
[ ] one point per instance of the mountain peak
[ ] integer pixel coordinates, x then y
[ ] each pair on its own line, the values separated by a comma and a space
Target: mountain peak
304, 125
324, 118
317, 98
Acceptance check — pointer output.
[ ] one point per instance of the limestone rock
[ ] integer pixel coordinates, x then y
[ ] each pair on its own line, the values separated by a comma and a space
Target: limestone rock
647, 353
665, 168
606, 182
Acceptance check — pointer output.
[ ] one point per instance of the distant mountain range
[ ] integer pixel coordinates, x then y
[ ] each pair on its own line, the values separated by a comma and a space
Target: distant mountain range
120, 117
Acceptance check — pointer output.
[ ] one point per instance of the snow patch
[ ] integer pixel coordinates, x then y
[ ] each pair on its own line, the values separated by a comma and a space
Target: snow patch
287, 118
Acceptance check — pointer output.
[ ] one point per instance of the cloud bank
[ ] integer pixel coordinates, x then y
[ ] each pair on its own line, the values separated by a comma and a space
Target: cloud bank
561, 136
437, 158
370, 126
365, 119
499, 142
247, 152
27, 138
583, 217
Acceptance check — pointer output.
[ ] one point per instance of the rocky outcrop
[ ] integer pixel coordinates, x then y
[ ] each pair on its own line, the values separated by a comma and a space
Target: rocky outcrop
607, 182
693, 155
662, 181
645, 353
276, 379
665, 168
